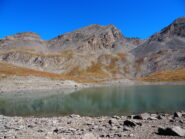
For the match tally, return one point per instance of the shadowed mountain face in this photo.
(98, 52)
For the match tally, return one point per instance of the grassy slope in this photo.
(7, 70)
(167, 75)
(11, 70)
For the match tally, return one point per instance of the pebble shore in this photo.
(143, 126)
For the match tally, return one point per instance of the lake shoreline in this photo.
(17, 84)
(143, 126)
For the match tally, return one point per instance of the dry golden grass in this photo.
(138, 63)
(74, 71)
(104, 56)
(167, 75)
(96, 70)
(113, 66)
(126, 68)
(93, 71)
(7, 70)
(122, 54)
(11, 70)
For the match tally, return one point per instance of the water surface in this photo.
(123, 100)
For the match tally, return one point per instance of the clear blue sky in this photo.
(49, 18)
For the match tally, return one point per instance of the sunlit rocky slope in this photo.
(97, 53)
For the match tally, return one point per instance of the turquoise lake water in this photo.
(120, 100)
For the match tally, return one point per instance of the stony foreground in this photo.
(144, 126)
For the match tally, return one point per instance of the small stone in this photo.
(152, 118)
(183, 114)
(72, 129)
(95, 127)
(153, 115)
(114, 128)
(140, 124)
(108, 136)
(113, 122)
(130, 116)
(160, 117)
(69, 122)
(172, 131)
(55, 130)
(181, 121)
(82, 129)
(30, 126)
(74, 116)
(129, 123)
(126, 129)
(49, 133)
(55, 121)
(88, 136)
(102, 136)
(172, 121)
(40, 130)
(137, 117)
(131, 135)
(116, 117)
(88, 124)
(118, 135)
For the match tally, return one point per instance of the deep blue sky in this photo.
(49, 18)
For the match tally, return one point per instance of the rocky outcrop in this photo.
(92, 39)
(27, 41)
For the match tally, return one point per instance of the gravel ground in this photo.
(142, 126)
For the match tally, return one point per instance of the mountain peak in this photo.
(179, 20)
(92, 37)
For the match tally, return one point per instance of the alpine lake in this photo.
(100, 101)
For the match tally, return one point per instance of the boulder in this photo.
(172, 131)
(129, 123)
(143, 116)
(177, 115)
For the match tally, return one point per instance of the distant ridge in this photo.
(99, 52)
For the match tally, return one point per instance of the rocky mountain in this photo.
(98, 52)
(93, 38)
(163, 50)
